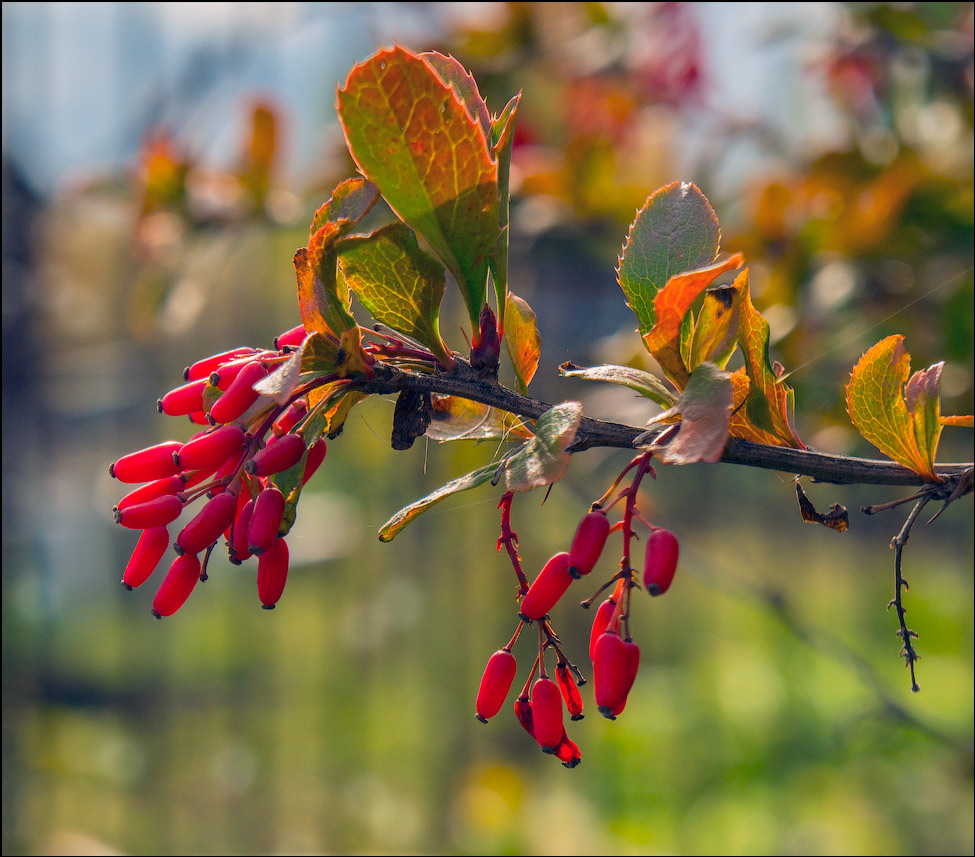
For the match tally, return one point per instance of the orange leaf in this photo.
(522, 339)
(671, 305)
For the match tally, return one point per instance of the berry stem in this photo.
(509, 539)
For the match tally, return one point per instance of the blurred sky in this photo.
(81, 82)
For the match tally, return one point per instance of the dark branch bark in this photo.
(839, 469)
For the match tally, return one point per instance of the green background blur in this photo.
(771, 713)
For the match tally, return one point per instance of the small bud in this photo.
(486, 345)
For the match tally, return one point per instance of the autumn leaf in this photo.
(671, 305)
(455, 418)
(348, 204)
(399, 284)
(705, 408)
(543, 459)
(452, 72)
(714, 335)
(675, 231)
(769, 408)
(522, 339)
(901, 417)
(410, 132)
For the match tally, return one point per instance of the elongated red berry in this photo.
(600, 624)
(199, 418)
(614, 670)
(148, 551)
(292, 338)
(290, 417)
(550, 585)
(272, 573)
(588, 542)
(208, 524)
(570, 693)
(523, 711)
(316, 455)
(547, 714)
(660, 562)
(239, 550)
(495, 684)
(183, 400)
(265, 520)
(280, 454)
(240, 394)
(153, 513)
(176, 587)
(632, 651)
(568, 751)
(152, 490)
(203, 368)
(144, 465)
(210, 450)
(223, 376)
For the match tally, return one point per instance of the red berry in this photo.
(238, 541)
(183, 400)
(588, 543)
(154, 462)
(153, 513)
(614, 670)
(210, 450)
(523, 711)
(148, 551)
(547, 714)
(199, 418)
(272, 573)
(316, 455)
(550, 585)
(292, 338)
(600, 624)
(660, 563)
(290, 417)
(203, 368)
(280, 454)
(208, 524)
(632, 666)
(265, 520)
(570, 692)
(568, 751)
(240, 394)
(152, 490)
(225, 375)
(495, 684)
(176, 586)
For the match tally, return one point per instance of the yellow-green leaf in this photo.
(522, 339)
(502, 137)
(903, 422)
(397, 282)
(410, 133)
(645, 383)
(543, 459)
(716, 328)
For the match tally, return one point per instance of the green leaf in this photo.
(349, 203)
(502, 137)
(904, 424)
(522, 339)
(410, 133)
(543, 459)
(771, 402)
(454, 418)
(675, 231)
(705, 410)
(645, 383)
(671, 307)
(408, 514)
(716, 329)
(397, 282)
(453, 73)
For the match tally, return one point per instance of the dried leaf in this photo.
(522, 339)
(543, 459)
(454, 418)
(411, 416)
(837, 518)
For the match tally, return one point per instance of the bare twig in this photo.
(900, 584)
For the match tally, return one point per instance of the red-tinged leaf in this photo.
(397, 282)
(715, 332)
(965, 422)
(771, 402)
(705, 409)
(502, 138)
(741, 426)
(453, 73)
(319, 353)
(903, 423)
(349, 203)
(675, 231)
(409, 132)
(408, 514)
(522, 339)
(644, 383)
(543, 459)
(454, 418)
(671, 304)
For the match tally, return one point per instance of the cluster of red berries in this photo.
(249, 438)
(615, 657)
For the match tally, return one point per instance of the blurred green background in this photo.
(150, 213)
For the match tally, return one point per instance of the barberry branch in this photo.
(823, 467)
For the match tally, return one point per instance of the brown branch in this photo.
(839, 469)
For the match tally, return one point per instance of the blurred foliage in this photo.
(771, 715)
